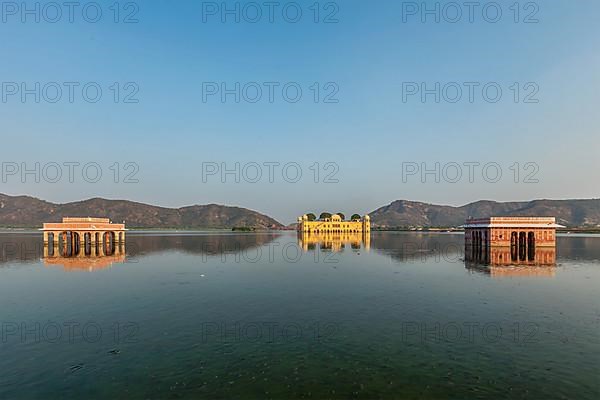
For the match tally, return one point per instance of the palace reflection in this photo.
(511, 261)
(334, 242)
(20, 248)
(27, 247)
(511, 246)
(72, 255)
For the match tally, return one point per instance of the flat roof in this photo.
(512, 222)
(473, 226)
(85, 219)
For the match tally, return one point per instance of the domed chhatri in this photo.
(334, 224)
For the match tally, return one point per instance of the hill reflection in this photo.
(412, 246)
(210, 244)
(27, 248)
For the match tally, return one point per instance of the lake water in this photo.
(223, 315)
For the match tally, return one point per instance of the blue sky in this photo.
(371, 134)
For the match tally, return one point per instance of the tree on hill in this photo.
(355, 217)
(311, 216)
(325, 215)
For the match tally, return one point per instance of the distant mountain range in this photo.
(29, 212)
(402, 213)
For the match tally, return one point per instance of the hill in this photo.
(29, 212)
(403, 213)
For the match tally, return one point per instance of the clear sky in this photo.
(368, 127)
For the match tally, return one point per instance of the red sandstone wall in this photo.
(502, 236)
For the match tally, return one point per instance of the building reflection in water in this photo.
(335, 242)
(73, 255)
(511, 261)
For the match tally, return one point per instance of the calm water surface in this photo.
(222, 315)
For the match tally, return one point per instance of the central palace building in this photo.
(335, 224)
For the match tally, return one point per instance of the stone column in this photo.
(101, 245)
(76, 240)
(81, 253)
(121, 244)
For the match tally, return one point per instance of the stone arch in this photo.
(522, 246)
(64, 244)
(87, 243)
(531, 239)
(50, 238)
(531, 246)
(109, 243)
(76, 243)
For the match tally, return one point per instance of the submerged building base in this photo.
(511, 240)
